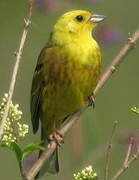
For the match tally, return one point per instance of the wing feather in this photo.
(35, 99)
(38, 84)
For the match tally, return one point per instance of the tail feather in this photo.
(51, 166)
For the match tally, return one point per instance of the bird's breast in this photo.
(69, 80)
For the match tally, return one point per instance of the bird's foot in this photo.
(91, 100)
(57, 137)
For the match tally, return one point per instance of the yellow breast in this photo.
(71, 74)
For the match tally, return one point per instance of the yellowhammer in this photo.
(67, 72)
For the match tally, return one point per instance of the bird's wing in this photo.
(36, 90)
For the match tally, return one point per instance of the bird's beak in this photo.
(96, 18)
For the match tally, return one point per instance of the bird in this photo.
(67, 72)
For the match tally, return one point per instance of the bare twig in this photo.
(127, 161)
(16, 67)
(128, 152)
(134, 157)
(109, 148)
(117, 60)
(14, 76)
(107, 74)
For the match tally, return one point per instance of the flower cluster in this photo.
(86, 174)
(13, 129)
(135, 109)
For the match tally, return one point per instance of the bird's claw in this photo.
(57, 137)
(91, 100)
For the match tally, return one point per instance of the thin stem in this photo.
(14, 76)
(22, 172)
(109, 148)
(16, 67)
(128, 151)
(134, 157)
(21, 167)
(125, 167)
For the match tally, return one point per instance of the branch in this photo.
(118, 60)
(72, 119)
(16, 67)
(14, 76)
(127, 161)
(109, 148)
(51, 147)
(22, 171)
(128, 152)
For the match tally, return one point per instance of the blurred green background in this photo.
(86, 142)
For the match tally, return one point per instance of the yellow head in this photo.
(77, 24)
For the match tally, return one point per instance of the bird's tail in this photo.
(51, 166)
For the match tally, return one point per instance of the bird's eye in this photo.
(79, 18)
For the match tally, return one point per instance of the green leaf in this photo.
(34, 146)
(30, 148)
(135, 110)
(26, 154)
(18, 151)
(5, 145)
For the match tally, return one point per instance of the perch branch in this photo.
(109, 148)
(72, 119)
(117, 60)
(51, 147)
(16, 67)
